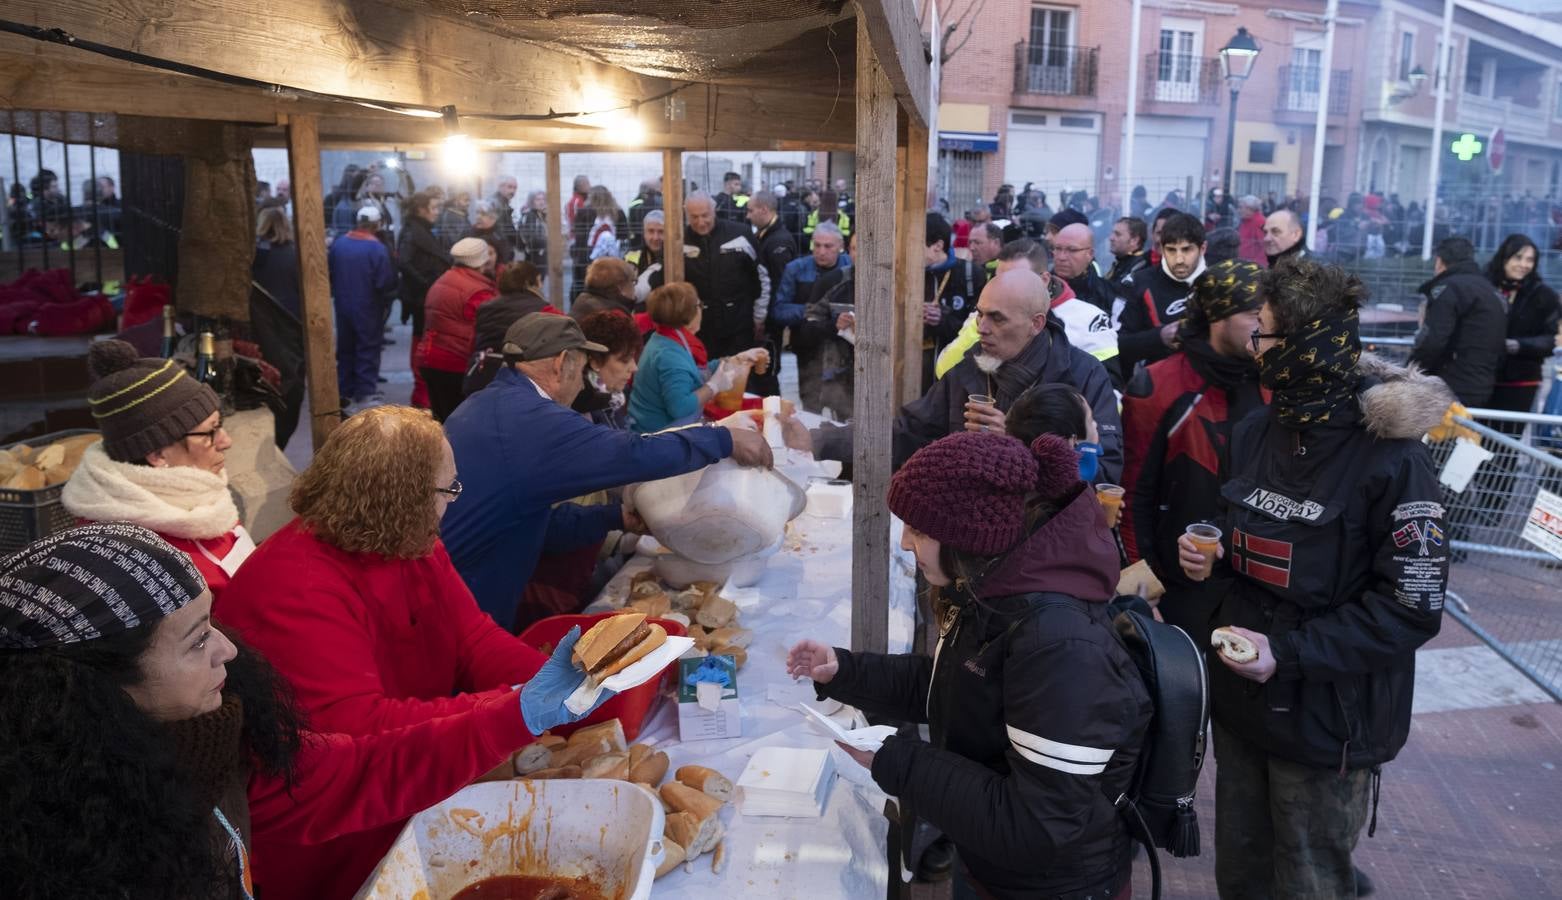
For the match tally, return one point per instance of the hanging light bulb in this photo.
(460, 154)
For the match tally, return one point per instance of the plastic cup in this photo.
(981, 400)
(1110, 496)
(1206, 539)
(731, 399)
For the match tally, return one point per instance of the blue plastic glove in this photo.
(542, 698)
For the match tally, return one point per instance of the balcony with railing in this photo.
(1056, 70)
(1301, 85)
(1182, 78)
(1485, 114)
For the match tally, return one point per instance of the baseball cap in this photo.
(541, 335)
(370, 212)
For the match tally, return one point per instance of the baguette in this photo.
(551, 741)
(708, 781)
(651, 770)
(608, 765)
(638, 753)
(1233, 646)
(686, 799)
(731, 636)
(675, 856)
(683, 828)
(612, 730)
(654, 605)
(556, 772)
(532, 758)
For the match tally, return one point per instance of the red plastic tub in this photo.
(632, 706)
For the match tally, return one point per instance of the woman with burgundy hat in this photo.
(1036, 713)
(161, 463)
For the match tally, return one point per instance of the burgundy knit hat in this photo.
(968, 490)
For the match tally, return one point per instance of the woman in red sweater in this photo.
(161, 463)
(450, 322)
(154, 753)
(356, 603)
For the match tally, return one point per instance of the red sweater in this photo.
(369, 644)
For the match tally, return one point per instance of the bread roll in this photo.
(716, 612)
(731, 636)
(687, 799)
(608, 765)
(738, 654)
(551, 741)
(532, 758)
(612, 730)
(559, 772)
(694, 835)
(706, 780)
(1233, 646)
(674, 858)
(576, 753)
(651, 770)
(638, 752)
(718, 859)
(28, 478)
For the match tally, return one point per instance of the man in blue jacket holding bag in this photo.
(520, 450)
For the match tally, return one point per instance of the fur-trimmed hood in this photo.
(1400, 401)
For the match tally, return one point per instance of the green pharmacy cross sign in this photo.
(1466, 147)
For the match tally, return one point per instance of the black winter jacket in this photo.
(1462, 334)
(422, 257)
(494, 318)
(724, 268)
(1095, 290)
(1151, 299)
(1048, 358)
(954, 285)
(1036, 714)
(1340, 555)
(777, 247)
(1533, 316)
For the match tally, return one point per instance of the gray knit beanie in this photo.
(142, 404)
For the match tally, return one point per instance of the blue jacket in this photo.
(665, 383)
(791, 302)
(362, 274)
(517, 454)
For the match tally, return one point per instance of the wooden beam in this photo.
(672, 206)
(911, 194)
(873, 408)
(303, 157)
(556, 229)
(896, 39)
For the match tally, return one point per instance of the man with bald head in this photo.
(721, 261)
(1073, 258)
(1283, 236)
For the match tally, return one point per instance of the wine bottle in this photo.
(206, 359)
(170, 337)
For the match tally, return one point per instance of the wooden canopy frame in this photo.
(868, 93)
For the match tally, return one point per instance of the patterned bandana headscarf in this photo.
(1223, 290)
(1313, 372)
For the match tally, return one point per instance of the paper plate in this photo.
(642, 671)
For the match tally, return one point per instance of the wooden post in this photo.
(672, 206)
(911, 191)
(556, 231)
(303, 158)
(873, 407)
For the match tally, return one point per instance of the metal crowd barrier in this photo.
(1505, 534)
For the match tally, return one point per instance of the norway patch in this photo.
(1262, 559)
(1426, 533)
(1282, 507)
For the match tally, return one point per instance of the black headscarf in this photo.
(1312, 373)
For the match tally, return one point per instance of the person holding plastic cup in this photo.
(1332, 565)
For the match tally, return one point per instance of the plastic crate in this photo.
(632, 706)
(26, 516)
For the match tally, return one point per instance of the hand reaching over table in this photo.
(813, 660)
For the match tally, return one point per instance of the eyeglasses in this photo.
(454, 490)
(1259, 336)
(210, 435)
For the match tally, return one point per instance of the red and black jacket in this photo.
(1151, 299)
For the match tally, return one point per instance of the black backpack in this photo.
(1159, 804)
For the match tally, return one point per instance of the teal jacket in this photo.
(663, 394)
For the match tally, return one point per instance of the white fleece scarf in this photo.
(179, 501)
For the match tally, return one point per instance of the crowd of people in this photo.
(275, 713)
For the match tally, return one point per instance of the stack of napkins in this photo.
(786, 781)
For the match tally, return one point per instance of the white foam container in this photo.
(610, 831)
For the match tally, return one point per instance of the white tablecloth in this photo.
(804, 592)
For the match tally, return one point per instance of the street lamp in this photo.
(1236, 63)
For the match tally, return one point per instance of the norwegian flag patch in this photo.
(1262, 559)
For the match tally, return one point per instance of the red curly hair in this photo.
(370, 487)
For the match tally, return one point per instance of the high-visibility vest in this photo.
(842, 221)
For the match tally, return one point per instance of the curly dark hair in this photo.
(615, 331)
(96, 804)
(1298, 291)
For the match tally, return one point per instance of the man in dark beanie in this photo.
(1333, 564)
(1031, 703)
(1177, 419)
